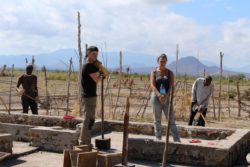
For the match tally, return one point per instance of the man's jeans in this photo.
(89, 107)
(158, 107)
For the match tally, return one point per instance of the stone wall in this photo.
(229, 151)
(20, 132)
(184, 131)
(39, 120)
(6, 140)
(54, 139)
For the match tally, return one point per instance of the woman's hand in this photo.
(162, 98)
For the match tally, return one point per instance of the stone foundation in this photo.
(6, 144)
(223, 151)
(227, 147)
(54, 139)
(19, 132)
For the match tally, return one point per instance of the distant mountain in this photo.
(193, 67)
(60, 58)
(137, 62)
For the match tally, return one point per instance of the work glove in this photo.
(20, 92)
(98, 64)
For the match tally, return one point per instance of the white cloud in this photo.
(144, 25)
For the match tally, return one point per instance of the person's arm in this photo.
(152, 84)
(19, 81)
(194, 89)
(36, 89)
(95, 77)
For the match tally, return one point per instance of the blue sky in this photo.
(144, 26)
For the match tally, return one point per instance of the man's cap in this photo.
(92, 49)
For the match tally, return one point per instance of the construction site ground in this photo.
(27, 156)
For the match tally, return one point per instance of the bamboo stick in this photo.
(119, 88)
(170, 108)
(239, 99)
(125, 135)
(219, 111)
(10, 90)
(228, 96)
(68, 85)
(177, 59)
(80, 62)
(46, 90)
(213, 105)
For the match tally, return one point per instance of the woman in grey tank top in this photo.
(161, 80)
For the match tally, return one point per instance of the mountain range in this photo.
(137, 62)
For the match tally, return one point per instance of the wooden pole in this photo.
(80, 62)
(204, 73)
(170, 108)
(120, 80)
(46, 90)
(102, 108)
(177, 59)
(68, 85)
(239, 99)
(198, 53)
(228, 96)
(33, 61)
(10, 90)
(213, 105)
(125, 135)
(219, 112)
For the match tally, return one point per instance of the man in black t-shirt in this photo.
(30, 94)
(89, 81)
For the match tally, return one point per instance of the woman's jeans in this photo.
(158, 107)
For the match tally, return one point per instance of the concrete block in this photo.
(109, 159)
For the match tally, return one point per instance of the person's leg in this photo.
(201, 121)
(173, 126)
(192, 115)
(89, 120)
(33, 106)
(157, 112)
(25, 104)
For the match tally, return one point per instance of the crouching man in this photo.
(201, 91)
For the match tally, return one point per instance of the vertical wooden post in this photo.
(204, 72)
(33, 61)
(177, 59)
(219, 112)
(170, 110)
(80, 62)
(119, 82)
(125, 135)
(102, 108)
(68, 85)
(46, 90)
(228, 96)
(10, 90)
(198, 53)
(239, 99)
(3, 70)
(213, 105)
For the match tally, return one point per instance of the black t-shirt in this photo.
(29, 84)
(88, 84)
